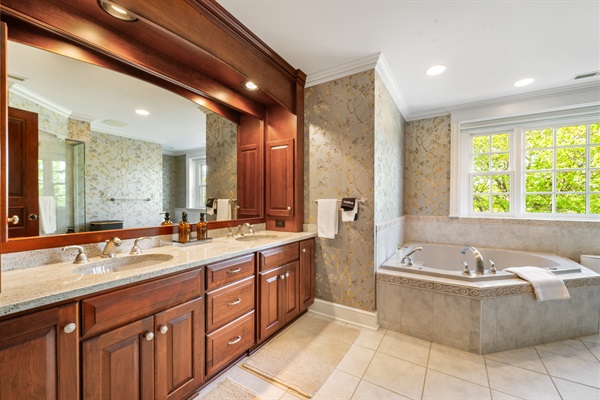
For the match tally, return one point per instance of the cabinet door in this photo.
(307, 273)
(119, 364)
(38, 358)
(271, 318)
(280, 178)
(290, 291)
(179, 353)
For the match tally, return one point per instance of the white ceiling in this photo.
(96, 94)
(486, 45)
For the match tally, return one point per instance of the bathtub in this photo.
(446, 261)
(433, 300)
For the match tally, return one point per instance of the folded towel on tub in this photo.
(546, 285)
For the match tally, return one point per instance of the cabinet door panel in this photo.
(291, 298)
(270, 303)
(280, 178)
(307, 273)
(119, 364)
(38, 359)
(179, 350)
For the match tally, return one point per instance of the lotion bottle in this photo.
(184, 229)
(202, 228)
(167, 220)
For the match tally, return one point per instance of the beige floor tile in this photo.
(594, 348)
(369, 338)
(445, 387)
(571, 368)
(356, 361)
(459, 364)
(339, 386)
(289, 395)
(396, 375)
(232, 373)
(496, 395)
(264, 389)
(574, 391)
(520, 382)
(405, 347)
(569, 348)
(525, 357)
(591, 338)
(368, 391)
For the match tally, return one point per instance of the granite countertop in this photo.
(28, 288)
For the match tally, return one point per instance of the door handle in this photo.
(32, 217)
(14, 219)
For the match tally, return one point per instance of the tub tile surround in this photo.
(47, 283)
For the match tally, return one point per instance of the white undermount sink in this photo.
(119, 264)
(256, 237)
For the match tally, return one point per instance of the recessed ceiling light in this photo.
(249, 85)
(435, 70)
(142, 112)
(524, 82)
(116, 11)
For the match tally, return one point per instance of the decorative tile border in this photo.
(388, 224)
(474, 292)
(502, 221)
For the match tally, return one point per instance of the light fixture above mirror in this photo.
(117, 11)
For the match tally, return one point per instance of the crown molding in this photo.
(383, 69)
(342, 70)
(126, 135)
(42, 101)
(82, 117)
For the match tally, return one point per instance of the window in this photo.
(539, 168)
(197, 182)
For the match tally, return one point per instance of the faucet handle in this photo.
(229, 232)
(492, 267)
(466, 270)
(81, 257)
(136, 249)
(116, 241)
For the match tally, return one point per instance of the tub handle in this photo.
(466, 270)
(492, 267)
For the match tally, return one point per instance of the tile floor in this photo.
(388, 365)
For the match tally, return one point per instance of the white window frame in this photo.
(194, 167)
(461, 165)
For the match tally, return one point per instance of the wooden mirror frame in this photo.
(193, 48)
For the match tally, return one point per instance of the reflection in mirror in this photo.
(116, 168)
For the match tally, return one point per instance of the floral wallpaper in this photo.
(221, 157)
(389, 157)
(123, 168)
(339, 159)
(174, 183)
(427, 167)
(48, 120)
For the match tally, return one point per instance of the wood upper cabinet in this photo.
(39, 355)
(280, 177)
(307, 273)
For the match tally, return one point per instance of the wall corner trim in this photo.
(340, 312)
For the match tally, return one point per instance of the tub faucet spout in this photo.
(478, 259)
(410, 253)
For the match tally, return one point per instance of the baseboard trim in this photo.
(340, 312)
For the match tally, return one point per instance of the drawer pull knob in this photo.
(234, 271)
(69, 328)
(149, 336)
(287, 274)
(163, 329)
(234, 341)
(233, 303)
(282, 276)
(289, 208)
(304, 250)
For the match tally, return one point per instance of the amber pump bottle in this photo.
(202, 228)
(184, 229)
(167, 220)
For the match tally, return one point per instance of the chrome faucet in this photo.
(478, 259)
(81, 257)
(110, 248)
(240, 228)
(136, 249)
(410, 253)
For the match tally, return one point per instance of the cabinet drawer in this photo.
(228, 303)
(116, 308)
(229, 342)
(276, 257)
(228, 271)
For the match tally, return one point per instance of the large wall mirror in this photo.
(105, 150)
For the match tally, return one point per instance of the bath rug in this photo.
(230, 390)
(304, 355)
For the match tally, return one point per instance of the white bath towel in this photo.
(327, 220)
(47, 214)
(223, 210)
(546, 285)
(348, 216)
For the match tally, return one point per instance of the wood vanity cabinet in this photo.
(230, 311)
(39, 355)
(307, 273)
(150, 341)
(280, 178)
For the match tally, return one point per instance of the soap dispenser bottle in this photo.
(202, 228)
(167, 220)
(184, 229)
